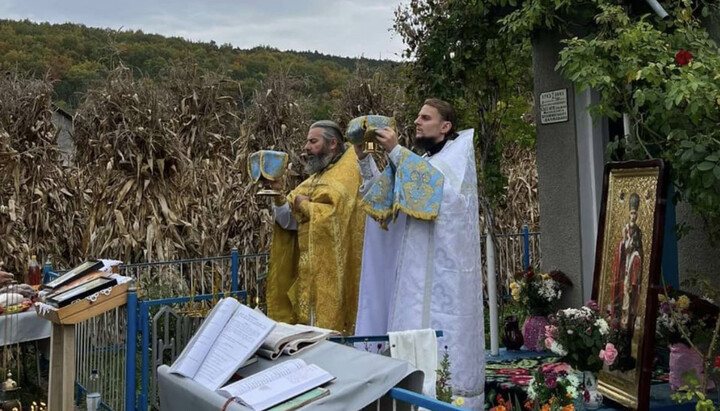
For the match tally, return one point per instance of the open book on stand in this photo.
(226, 340)
(290, 339)
(278, 384)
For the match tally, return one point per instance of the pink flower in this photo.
(609, 354)
(548, 342)
(550, 331)
(555, 368)
(551, 381)
(591, 304)
(562, 368)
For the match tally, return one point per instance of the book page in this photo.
(238, 341)
(194, 353)
(281, 334)
(284, 388)
(308, 339)
(238, 388)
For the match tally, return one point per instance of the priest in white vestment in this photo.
(421, 258)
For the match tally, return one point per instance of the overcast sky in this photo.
(338, 27)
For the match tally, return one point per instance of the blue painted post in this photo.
(234, 265)
(145, 353)
(131, 349)
(526, 247)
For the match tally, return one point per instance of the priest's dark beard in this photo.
(318, 162)
(424, 143)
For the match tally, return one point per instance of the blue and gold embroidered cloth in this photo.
(413, 186)
(363, 128)
(267, 164)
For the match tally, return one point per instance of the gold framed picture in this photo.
(627, 274)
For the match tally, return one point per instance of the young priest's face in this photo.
(430, 126)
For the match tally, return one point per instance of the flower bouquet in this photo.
(686, 323)
(553, 387)
(580, 337)
(538, 294)
(684, 318)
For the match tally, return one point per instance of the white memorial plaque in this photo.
(553, 107)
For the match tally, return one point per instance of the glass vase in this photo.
(533, 332)
(512, 337)
(592, 398)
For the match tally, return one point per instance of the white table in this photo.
(23, 327)
(361, 379)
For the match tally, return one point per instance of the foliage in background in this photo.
(458, 55)
(663, 73)
(666, 75)
(76, 57)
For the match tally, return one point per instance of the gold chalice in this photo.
(265, 166)
(362, 130)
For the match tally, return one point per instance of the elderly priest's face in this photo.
(319, 151)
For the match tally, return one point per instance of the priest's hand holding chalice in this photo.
(267, 168)
(361, 131)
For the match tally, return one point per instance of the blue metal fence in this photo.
(513, 253)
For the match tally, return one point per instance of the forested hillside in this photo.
(74, 56)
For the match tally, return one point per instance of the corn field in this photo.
(160, 169)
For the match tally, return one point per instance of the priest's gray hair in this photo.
(331, 131)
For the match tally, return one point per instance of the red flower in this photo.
(529, 274)
(717, 361)
(683, 57)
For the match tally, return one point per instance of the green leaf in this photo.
(705, 166)
(708, 180)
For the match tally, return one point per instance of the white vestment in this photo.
(427, 274)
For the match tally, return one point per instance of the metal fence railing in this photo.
(513, 253)
(117, 344)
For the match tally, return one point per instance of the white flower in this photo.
(573, 380)
(571, 312)
(602, 326)
(570, 332)
(558, 349)
(572, 390)
(531, 389)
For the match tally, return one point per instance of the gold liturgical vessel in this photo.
(267, 165)
(362, 130)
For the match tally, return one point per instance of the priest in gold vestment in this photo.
(317, 241)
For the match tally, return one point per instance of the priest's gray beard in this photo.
(318, 162)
